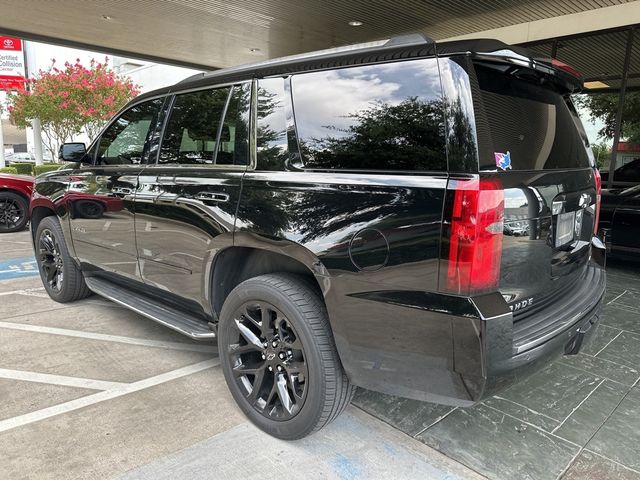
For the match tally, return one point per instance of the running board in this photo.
(173, 318)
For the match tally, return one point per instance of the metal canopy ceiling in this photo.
(599, 57)
(220, 33)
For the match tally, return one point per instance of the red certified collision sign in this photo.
(11, 64)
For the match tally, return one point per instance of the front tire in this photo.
(61, 276)
(279, 358)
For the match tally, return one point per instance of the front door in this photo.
(186, 204)
(100, 196)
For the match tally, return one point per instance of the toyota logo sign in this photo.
(8, 42)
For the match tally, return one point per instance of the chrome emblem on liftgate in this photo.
(521, 304)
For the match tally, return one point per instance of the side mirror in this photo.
(73, 152)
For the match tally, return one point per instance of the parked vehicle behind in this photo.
(15, 192)
(344, 218)
(620, 217)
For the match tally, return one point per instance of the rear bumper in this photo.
(458, 351)
(504, 366)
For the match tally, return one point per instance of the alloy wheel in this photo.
(51, 261)
(11, 213)
(268, 361)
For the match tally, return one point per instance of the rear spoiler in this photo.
(519, 62)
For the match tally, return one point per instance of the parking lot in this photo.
(92, 390)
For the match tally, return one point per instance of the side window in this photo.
(196, 135)
(271, 126)
(191, 132)
(125, 141)
(376, 117)
(234, 135)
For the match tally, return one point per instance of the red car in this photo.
(15, 192)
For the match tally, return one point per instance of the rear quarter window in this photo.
(375, 117)
(531, 127)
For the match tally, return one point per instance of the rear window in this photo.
(531, 127)
(375, 117)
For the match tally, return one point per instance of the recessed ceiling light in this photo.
(595, 84)
(355, 23)
(106, 17)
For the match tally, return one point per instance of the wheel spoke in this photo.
(241, 370)
(265, 319)
(51, 273)
(283, 393)
(258, 381)
(237, 349)
(248, 335)
(293, 345)
(294, 368)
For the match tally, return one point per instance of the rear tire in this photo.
(14, 212)
(279, 357)
(61, 276)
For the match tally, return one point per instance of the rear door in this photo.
(535, 148)
(186, 203)
(100, 197)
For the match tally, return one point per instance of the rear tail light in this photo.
(475, 236)
(567, 68)
(598, 179)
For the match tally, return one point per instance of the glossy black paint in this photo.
(620, 215)
(373, 241)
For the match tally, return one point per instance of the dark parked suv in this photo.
(411, 218)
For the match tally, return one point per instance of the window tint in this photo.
(195, 135)
(377, 117)
(534, 125)
(125, 140)
(272, 124)
(191, 132)
(234, 135)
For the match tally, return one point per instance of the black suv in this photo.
(409, 217)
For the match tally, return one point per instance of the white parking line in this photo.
(61, 380)
(23, 291)
(119, 391)
(109, 338)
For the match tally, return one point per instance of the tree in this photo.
(602, 153)
(604, 107)
(70, 100)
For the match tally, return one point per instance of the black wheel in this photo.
(60, 275)
(14, 210)
(279, 357)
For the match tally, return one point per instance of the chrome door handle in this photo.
(212, 197)
(164, 180)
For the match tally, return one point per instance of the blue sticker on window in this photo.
(503, 160)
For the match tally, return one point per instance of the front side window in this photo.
(196, 133)
(125, 140)
(375, 117)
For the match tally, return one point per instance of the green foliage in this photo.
(404, 136)
(47, 167)
(70, 100)
(11, 170)
(604, 107)
(602, 153)
(23, 168)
